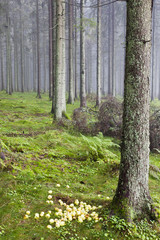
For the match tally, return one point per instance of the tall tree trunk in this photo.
(34, 55)
(98, 99)
(51, 20)
(103, 80)
(38, 54)
(82, 57)
(70, 24)
(8, 56)
(113, 55)
(63, 59)
(59, 60)
(75, 53)
(109, 51)
(15, 57)
(21, 49)
(53, 55)
(153, 54)
(132, 196)
(1, 54)
(90, 69)
(44, 54)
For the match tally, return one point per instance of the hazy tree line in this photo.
(83, 43)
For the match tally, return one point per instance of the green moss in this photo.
(40, 155)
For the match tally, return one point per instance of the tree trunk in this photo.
(75, 44)
(15, 57)
(153, 54)
(70, 24)
(82, 57)
(98, 100)
(90, 83)
(21, 49)
(50, 13)
(38, 54)
(44, 54)
(59, 60)
(109, 51)
(1, 53)
(132, 196)
(63, 58)
(53, 55)
(8, 56)
(113, 55)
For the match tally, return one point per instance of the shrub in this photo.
(110, 121)
(83, 119)
(110, 117)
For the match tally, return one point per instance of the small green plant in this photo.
(98, 147)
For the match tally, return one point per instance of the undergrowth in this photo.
(43, 164)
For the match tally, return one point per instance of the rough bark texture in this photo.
(60, 60)
(38, 55)
(50, 13)
(63, 58)
(75, 54)
(132, 193)
(71, 92)
(82, 57)
(98, 100)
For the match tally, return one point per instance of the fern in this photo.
(3, 146)
(98, 147)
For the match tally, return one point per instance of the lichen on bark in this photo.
(132, 196)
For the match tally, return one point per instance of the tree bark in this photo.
(82, 57)
(70, 24)
(132, 196)
(38, 54)
(75, 52)
(59, 51)
(2, 73)
(98, 100)
(50, 13)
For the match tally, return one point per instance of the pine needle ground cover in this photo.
(57, 183)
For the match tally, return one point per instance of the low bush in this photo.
(83, 119)
(110, 117)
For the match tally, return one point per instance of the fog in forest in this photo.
(24, 46)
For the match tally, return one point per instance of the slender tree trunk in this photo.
(59, 60)
(63, 59)
(103, 89)
(8, 57)
(90, 69)
(113, 55)
(70, 24)
(10, 71)
(53, 48)
(1, 53)
(15, 58)
(51, 25)
(22, 51)
(38, 54)
(75, 53)
(82, 57)
(132, 197)
(153, 54)
(98, 100)
(109, 50)
(34, 55)
(44, 54)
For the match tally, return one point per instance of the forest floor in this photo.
(46, 166)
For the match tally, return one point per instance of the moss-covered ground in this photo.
(40, 155)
